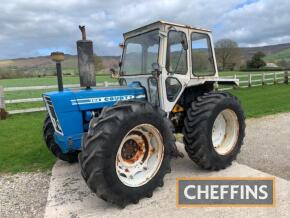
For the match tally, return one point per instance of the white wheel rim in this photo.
(139, 156)
(225, 132)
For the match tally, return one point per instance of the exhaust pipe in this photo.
(86, 61)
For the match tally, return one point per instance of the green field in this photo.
(35, 81)
(22, 148)
(20, 106)
(48, 80)
(25, 94)
(261, 101)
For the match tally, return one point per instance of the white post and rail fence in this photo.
(250, 80)
(259, 79)
(4, 103)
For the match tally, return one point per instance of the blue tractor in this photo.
(123, 136)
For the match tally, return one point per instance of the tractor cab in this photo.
(166, 59)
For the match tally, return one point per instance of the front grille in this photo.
(52, 114)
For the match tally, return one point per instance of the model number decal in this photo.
(104, 99)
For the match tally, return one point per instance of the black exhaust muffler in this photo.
(86, 61)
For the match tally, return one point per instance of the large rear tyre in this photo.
(214, 129)
(127, 152)
(48, 132)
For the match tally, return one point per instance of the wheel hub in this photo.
(140, 155)
(225, 132)
(129, 149)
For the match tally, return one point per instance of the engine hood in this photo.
(90, 99)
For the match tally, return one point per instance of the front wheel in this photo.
(214, 129)
(48, 136)
(127, 152)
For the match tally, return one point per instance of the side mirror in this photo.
(156, 67)
(122, 45)
(114, 73)
(156, 70)
(184, 42)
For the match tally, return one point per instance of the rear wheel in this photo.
(214, 130)
(225, 132)
(48, 132)
(127, 152)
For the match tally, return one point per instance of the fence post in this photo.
(250, 80)
(275, 78)
(235, 77)
(286, 77)
(263, 79)
(3, 113)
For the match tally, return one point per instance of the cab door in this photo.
(176, 73)
(203, 56)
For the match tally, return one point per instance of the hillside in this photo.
(282, 55)
(39, 66)
(270, 50)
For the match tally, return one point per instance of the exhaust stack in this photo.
(86, 60)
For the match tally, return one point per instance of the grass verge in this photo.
(261, 101)
(49, 80)
(21, 144)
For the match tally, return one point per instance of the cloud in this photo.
(36, 27)
(259, 23)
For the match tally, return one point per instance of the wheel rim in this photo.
(225, 132)
(140, 155)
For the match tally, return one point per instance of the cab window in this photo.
(201, 54)
(140, 53)
(176, 56)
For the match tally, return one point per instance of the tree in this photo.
(98, 63)
(228, 54)
(257, 61)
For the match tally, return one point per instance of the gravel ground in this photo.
(267, 145)
(23, 194)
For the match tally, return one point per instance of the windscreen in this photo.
(140, 53)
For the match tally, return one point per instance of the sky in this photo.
(38, 27)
